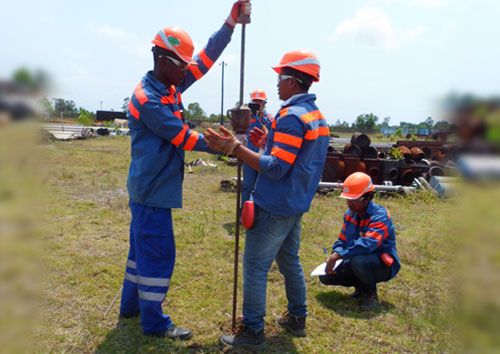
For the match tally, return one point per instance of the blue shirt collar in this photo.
(298, 98)
(157, 85)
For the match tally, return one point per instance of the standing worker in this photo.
(262, 120)
(366, 244)
(289, 173)
(159, 137)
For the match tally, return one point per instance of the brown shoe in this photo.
(296, 325)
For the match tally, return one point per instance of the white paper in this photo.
(320, 270)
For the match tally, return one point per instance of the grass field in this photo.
(85, 220)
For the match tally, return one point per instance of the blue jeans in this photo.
(272, 237)
(249, 178)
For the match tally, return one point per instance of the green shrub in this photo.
(85, 117)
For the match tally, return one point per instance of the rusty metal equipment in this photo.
(361, 140)
(240, 118)
(420, 158)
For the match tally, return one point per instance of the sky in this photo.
(393, 58)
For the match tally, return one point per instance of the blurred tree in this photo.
(37, 81)
(442, 125)
(340, 126)
(214, 117)
(366, 123)
(126, 101)
(429, 122)
(385, 123)
(23, 76)
(46, 105)
(85, 117)
(195, 111)
(66, 107)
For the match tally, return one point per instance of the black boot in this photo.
(357, 294)
(244, 338)
(129, 315)
(369, 301)
(294, 324)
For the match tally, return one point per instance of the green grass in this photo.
(85, 227)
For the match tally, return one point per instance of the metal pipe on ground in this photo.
(378, 187)
(361, 140)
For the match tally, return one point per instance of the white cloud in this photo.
(416, 3)
(120, 37)
(374, 27)
(111, 33)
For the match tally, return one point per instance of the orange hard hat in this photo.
(258, 94)
(177, 41)
(356, 185)
(301, 60)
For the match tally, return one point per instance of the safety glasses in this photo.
(286, 77)
(174, 61)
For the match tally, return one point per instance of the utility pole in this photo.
(222, 94)
(101, 104)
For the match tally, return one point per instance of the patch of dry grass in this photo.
(85, 227)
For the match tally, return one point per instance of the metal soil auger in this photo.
(240, 120)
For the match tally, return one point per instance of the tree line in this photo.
(371, 123)
(366, 123)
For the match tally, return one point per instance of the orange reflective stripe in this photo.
(315, 133)
(133, 111)
(288, 139)
(311, 116)
(178, 114)
(273, 124)
(195, 71)
(283, 155)
(283, 112)
(179, 138)
(342, 237)
(375, 235)
(140, 94)
(192, 140)
(364, 222)
(380, 225)
(179, 98)
(351, 220)
(168, 99)
(205, 59)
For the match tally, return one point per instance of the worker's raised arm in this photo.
(215, 46)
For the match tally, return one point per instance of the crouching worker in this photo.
(366, 244)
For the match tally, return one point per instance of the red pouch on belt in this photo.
(248, 214)
(387, 259)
